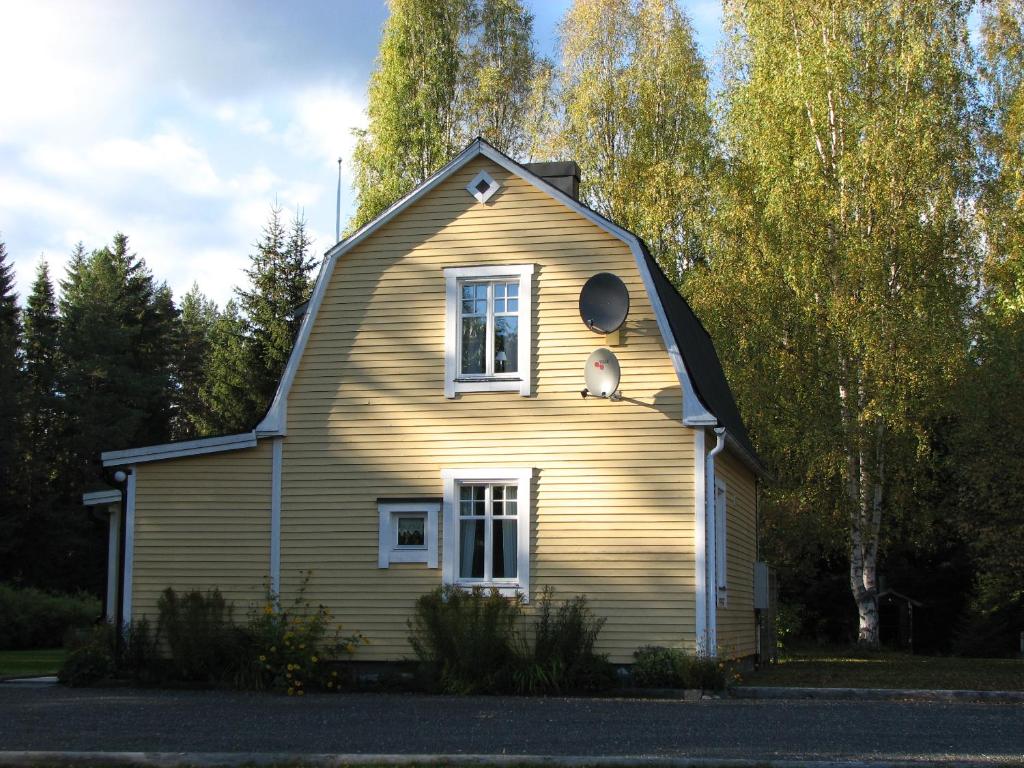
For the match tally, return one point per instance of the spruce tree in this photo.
(229, 404)
(52, 522)
(279, 284)
(11, 503)
(195, 328)
(117, 349)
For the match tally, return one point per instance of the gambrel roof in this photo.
(707, 399)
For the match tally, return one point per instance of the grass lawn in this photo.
(30, 663)
(886, 669)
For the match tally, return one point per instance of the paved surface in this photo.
(55, 718)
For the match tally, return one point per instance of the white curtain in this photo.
(510, 550)
(468, 533)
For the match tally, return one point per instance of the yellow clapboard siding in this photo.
(368, 419)
(203, 522)
(736, 622)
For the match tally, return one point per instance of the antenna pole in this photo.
(337, 211)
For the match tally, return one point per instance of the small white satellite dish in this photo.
(602, 374)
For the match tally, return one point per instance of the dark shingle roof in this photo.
(702, 363)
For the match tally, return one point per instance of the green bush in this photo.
(563, 658)
(658, 667)
(91, 659)
(205, 644)
(31, 618)
(467, 641)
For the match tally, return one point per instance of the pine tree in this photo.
(636, 118)
(279, 284)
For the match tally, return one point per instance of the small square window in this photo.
(408, 532)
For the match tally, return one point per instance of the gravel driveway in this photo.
(56, 718)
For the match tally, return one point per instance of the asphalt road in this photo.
(56, 718)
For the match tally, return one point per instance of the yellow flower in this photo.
(314, 659)
(273, 648)
(302, 693)
(263, 658)
(334, 674)
(291, 691)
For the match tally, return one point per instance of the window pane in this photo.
(471, 549)
(513, 289)
(512, 306)
(472, 500)
(506, 344)
(499, 290)
(505, 549)
(474, 344)
(411, 532)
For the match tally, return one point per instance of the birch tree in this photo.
(634, 93)
(845, 259)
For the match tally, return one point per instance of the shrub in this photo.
(290, 648)
(205, 645)
(92, 660)
(563, 658)
(658, 667)
(31, 618)
(466, 641)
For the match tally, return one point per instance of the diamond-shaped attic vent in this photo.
(482, 186)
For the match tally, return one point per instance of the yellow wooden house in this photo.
(429, 428)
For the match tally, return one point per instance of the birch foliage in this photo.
(842, 277)
(634, 94)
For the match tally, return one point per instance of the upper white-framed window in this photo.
(721, 527)
(407, 531)
(482, 187)
(487, 528)
(488, 329)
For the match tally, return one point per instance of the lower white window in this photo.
(407, 531)
(487, 528)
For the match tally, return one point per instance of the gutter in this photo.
(711, 546)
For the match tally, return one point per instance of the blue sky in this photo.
(180, 123)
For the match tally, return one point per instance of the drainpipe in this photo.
(711, 545)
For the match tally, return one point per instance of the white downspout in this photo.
(711, 546)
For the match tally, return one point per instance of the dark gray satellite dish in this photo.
(604, 303)
(602, 375)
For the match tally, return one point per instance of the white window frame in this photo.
(520, 381)
(721, 545)
(518, 476)
(388, 549)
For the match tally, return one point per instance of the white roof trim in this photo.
(101, 498)
(275, 422)
(176, 450)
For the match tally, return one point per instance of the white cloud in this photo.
(324, 117)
